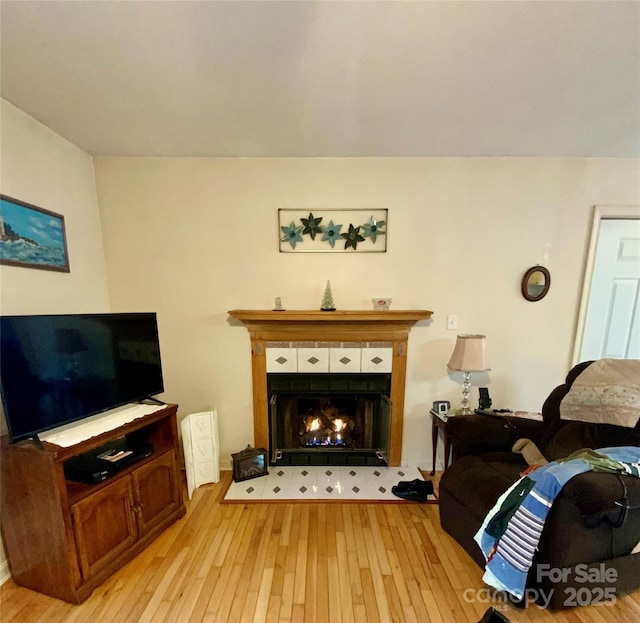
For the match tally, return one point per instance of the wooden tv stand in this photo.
(64, 538)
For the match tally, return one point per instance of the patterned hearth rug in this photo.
(325, 484)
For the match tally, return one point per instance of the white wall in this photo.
(41, 168)
(194, 238)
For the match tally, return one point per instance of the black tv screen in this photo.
(57, 369)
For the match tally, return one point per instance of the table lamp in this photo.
(468, 356)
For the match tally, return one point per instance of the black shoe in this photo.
(417, 484)
(416, 494)
(405, 485)
(493, 616)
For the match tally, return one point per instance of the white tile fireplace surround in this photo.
(339, 341)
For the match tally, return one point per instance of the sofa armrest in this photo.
(478, 434)
(596, 517)
(596, 493)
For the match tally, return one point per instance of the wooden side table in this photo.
(438, 422)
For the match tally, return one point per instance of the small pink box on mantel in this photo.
(381, 304)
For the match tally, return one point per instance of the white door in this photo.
(612, 321)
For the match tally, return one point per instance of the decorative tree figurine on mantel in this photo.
(327, 300)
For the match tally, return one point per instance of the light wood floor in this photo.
(295, 562)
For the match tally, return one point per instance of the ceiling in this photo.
(313, 79)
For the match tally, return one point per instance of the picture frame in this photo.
(361, 230)
(32, 237)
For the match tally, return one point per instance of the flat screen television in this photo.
(57, 369)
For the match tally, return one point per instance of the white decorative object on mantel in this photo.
(381, 304)
(201, 449)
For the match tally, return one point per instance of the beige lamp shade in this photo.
(468, 354)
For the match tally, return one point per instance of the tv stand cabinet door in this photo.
(155, 486)
(105, 526)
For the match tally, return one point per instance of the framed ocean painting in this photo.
(32, 237)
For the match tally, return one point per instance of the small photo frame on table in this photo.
(32, 237)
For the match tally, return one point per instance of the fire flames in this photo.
(326, 425)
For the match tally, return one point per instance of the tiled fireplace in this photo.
(328, 387)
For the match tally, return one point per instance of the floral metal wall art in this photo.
(309, 231)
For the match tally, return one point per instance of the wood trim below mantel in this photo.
(336, 326)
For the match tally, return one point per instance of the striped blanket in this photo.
(511, 531)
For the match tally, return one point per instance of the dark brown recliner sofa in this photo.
(594, 520)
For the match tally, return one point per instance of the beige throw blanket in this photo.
(607, 392)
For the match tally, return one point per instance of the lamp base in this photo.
(465, 409)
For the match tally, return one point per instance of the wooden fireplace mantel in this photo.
(337, 326)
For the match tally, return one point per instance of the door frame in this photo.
(600, 213)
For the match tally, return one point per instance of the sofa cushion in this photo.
(577, 435)
(551, 406)
(478, 481)
(606, 392)
(479, 434)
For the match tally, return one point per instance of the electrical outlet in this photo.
(452, 322)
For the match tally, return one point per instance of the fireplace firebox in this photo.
(329, 419)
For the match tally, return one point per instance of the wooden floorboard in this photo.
(296, 563)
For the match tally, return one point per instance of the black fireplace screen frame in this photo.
(359, 403)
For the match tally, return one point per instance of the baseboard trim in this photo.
(5, 574)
